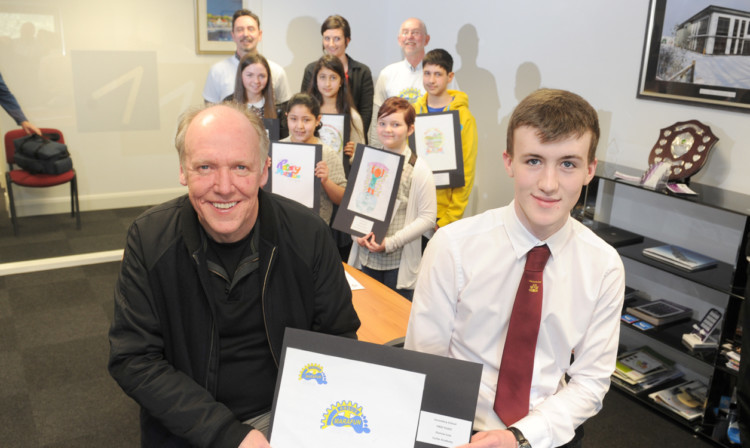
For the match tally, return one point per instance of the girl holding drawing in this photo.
(303, 120)
(395, 260)
(329, 87)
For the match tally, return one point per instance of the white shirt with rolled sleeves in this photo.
(463, 300)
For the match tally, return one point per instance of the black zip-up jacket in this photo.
(163, 343)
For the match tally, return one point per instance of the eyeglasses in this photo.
(415, 33)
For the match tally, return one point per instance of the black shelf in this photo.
(718, 277)
(643, 398)
(707, 195)
(671, 335)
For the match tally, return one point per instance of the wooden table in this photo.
(384, 313)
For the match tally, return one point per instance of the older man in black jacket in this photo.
(209, 282)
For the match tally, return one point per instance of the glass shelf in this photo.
(707, 195)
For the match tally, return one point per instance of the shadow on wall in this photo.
(304, 50)
(528, 79)
(484, 103)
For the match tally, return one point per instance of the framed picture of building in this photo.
(697, 52)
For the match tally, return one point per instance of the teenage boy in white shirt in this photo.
(468, 280)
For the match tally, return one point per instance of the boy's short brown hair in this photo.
(556, 115)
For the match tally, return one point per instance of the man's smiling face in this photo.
(222, 171)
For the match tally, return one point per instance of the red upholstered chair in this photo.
(24, 178)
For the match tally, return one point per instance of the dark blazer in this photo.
(360, 85)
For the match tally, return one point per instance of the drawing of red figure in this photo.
(368, 199)
(378, 171)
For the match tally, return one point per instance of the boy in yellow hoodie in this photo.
(437, 74)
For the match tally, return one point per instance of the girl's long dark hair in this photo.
(240, 95)
(344, 101)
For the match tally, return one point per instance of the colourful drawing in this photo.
(332, 137)
(284, 168)
(313, 372)
(368, 199)
(345, 413)
(433, 141)
(411, 94)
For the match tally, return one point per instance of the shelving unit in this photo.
(715, 222)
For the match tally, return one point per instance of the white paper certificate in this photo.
(332, 402)
(442, 430)
(293, 171)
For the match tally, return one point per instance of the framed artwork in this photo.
(696, 53)
(213, 28)
(437, 140)
(338, 392)
(370, 195)
(334, 132)
(292, 172)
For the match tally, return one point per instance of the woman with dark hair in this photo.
(303, 120)
(336, 37)
(395, 260)
(330, 89)
(253, 86)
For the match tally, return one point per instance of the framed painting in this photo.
(696, 53)
(437, 140)
(370, 195)
(292, 173)
(213, 28)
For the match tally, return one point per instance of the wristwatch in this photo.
(522, 442)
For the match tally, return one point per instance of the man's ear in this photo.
(264, 172)
(183, 177)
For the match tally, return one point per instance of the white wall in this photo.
(502, 51)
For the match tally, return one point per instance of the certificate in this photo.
(437, 139)
(292, 172)
(339, 392)
(370, 195)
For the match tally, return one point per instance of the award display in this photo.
(370, 195)
(339, 392)
(685, 145)
(292, 172)
(437, 139)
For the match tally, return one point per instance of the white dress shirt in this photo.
(398, 79)
(463, 300)
(221, 76)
